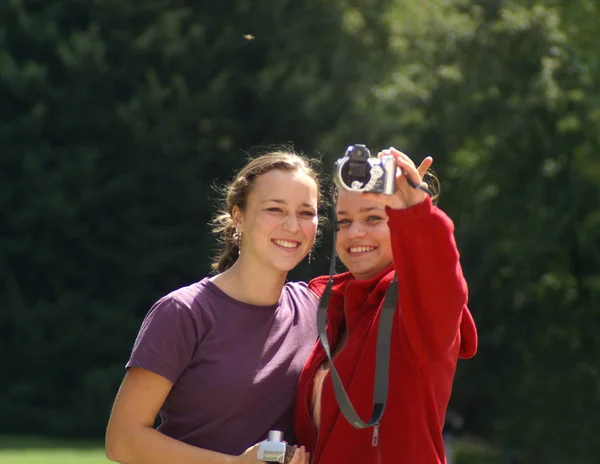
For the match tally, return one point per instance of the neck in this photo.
(374, 273)
(250, 284)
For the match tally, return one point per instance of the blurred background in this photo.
(117, 119)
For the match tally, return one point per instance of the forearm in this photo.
(144, 445)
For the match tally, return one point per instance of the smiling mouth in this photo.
(360, 249)
(288, 244)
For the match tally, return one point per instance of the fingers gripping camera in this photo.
(275, 449)
(358, 171)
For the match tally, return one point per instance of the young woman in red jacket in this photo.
(380, 235)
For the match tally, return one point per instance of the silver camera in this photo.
(358, 171)
(274, 449)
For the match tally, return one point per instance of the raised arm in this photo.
(433, 291)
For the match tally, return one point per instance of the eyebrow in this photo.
(363, 210)
(283, 202)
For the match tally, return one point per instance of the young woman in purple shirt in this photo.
(219, 360)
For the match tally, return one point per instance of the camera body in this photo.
(358, 171)
(275, 449)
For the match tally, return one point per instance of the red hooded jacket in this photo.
(431, 330)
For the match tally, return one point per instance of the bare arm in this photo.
(130, 438)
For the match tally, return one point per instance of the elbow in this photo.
(116, 449)
(113, 452)
(111, 455)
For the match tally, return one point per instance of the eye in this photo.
(274, 209)
(373, 218)
(343, 223)
(307, 214)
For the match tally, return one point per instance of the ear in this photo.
(238, 218)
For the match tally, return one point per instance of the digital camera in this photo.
(274, 449)
(358, 171)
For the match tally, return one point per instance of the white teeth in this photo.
(286, 244)
(361, 249)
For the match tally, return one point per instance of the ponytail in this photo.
(224, 228)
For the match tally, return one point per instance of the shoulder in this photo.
(168, 310)
(167, 321)
(318, 284)
(197, 296)
(301, 291)
(185, 295)
(188, 302)
(299, 304)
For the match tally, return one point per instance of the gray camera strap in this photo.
(382, 358)
(384, 333)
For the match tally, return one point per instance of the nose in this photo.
(356, 230)
(291, 224)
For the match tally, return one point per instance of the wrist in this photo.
(400, 205)
(420, 209)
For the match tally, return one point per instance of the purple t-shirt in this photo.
(234, 366)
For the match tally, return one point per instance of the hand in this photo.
(405, 195)
(301, 456)
(249, 456)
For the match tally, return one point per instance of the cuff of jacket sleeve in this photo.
(417, 211)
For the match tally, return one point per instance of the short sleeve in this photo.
(166, 341)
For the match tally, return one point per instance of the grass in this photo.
(34, 450)
(472, 452)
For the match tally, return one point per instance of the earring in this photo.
(237, 237)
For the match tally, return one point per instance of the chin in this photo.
(357, 265)
(361, 270)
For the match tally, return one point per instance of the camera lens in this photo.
(355, 171)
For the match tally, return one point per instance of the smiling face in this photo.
(363, 241)
(279, 223)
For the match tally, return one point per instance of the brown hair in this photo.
(433, 184)
(236, 194)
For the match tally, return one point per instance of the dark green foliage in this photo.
(116, 120)
(507, 113)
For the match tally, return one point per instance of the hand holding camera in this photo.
(391, 179)
(274, 449)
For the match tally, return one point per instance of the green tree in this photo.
(117, 119)
(496, 93)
